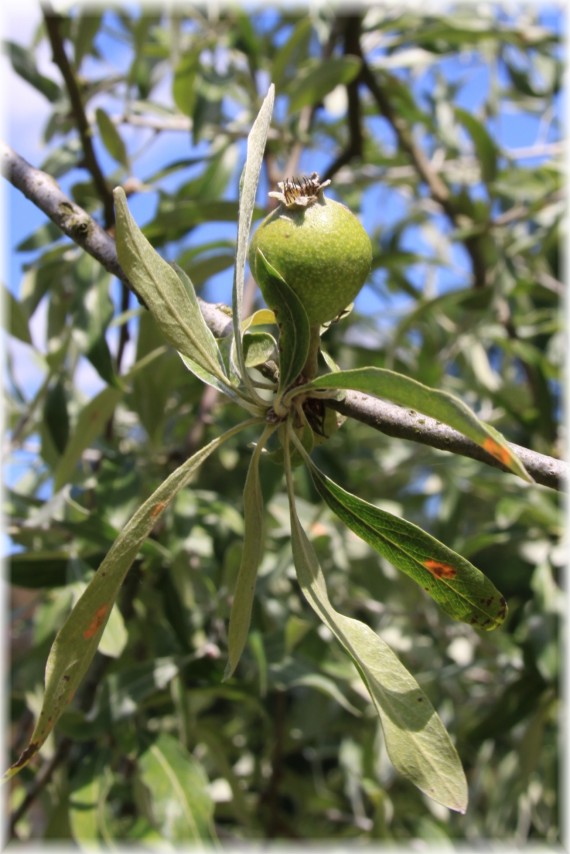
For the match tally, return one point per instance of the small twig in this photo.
(438, 189)
(43, 191)
(182, 124)
(354, 147)
(541, 149)
(52, 23)
(523, 211)
(303, 126)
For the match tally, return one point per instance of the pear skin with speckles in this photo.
(320, 249)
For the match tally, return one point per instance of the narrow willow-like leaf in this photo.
(248, 191)
(77, 640)
(485, 146)
(14, 318)
(417, 742)
(88, 788)
(294, 328)
(180, 806)
(294, 47)
(456, 585)
(314, 82)
(251, 556)
(170, 298)
(442, 405)
(203, 332)
(90, 424)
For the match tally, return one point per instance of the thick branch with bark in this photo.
(388, 418)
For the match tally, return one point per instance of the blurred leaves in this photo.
(24, 64)
(112, 139)
(176, 798)
(314, 80)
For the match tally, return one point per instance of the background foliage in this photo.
(416, 118)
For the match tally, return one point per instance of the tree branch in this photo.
(41, 189)
(388, 418)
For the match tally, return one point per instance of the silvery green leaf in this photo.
(252, 554)
(169, 297)
(248, 191)
(441, 405)
(294, 327)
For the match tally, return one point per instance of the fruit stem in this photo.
(311, 368)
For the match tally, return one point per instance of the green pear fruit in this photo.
(317, 245)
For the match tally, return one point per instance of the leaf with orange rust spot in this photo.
(76, 642)
(441, 405)
(416, 740)
(452, 581)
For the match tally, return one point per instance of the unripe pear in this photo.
(317, 245)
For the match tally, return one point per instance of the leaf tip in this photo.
(502, 453)
(456, 799)
(22, 761)
(119, 195)
(229, 671)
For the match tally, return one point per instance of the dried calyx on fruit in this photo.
(299, 192)
(316, 244)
